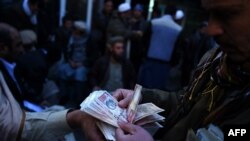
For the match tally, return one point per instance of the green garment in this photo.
(210, 98)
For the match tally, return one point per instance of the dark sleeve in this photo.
(146, 38)
(98, 71)
(131, 75)
(94, 75)
(115, 27)
(166, 100)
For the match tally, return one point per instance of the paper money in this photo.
(150, 119)
(146, 109)
(103, 106)
(134, 103)
(107, 130)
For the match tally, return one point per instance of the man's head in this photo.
(124, 10)
(116, 47)
(229, 24)
(79, 28)
(67, 22)
(10, 43)
(35, 5)
(29, 39)
(108, 7)
(138, 10)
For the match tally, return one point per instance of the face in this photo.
(108, 7)
(118, 50)
(126, 15)
(68, 24)
(229, 24)
(17, 47)
(34, 8)
(137, 13)
(11, 51)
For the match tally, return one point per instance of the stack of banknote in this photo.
(103, 106)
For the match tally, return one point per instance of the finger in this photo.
(119, 134)
(124, 102)
(127, 127)
(118, 94)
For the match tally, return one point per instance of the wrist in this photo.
(74, 118)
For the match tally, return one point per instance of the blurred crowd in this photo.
(122, 49)
(42, 65)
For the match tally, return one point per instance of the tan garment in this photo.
(45, 126)
(10, 113)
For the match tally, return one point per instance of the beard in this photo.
(118, 58)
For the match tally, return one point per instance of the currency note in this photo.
(134, 103)
(146, 109)
(150, 119)
(103, 106)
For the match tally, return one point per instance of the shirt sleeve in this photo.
(166, 100)
(45, 126)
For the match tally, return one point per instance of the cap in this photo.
(80, 25)
(138, 7)
(179, 14)
(28, 36)
(124, 7)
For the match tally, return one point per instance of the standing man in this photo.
(120, 25)
(22, 16)
(162, 34)
(219, 92)
(63, 34)
(98, 34)
(29, 14)
(138, 24)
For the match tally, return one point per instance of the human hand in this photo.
(130, 132)
(79, 119)
(139, 33)
(123, 96)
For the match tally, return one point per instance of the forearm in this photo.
(74, 118)
(46, 125)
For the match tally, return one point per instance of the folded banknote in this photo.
(103, 106)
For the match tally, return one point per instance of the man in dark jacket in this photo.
(10, 49)
(219, 92)
(113, 71)
(22, 16)
(120, 25)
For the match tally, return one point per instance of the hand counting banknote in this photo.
(134, 103)
(103, 106)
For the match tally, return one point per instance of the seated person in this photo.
(113, 71)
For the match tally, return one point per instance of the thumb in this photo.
(119, 133)
(127, 127)
(124, 103)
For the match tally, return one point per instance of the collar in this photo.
(9, 67)
(167, 17)
(227, 74)
(8, 64)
